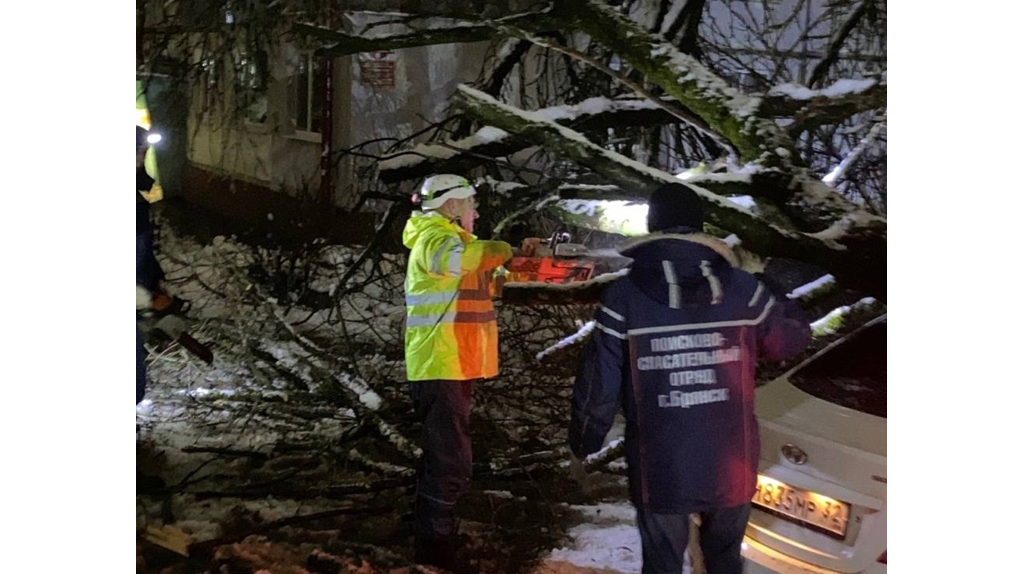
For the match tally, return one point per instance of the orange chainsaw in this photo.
(555, 261)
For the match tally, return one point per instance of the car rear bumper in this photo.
(759, 559)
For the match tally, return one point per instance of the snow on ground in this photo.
(207, 430)
(191, 406)
(607, 541)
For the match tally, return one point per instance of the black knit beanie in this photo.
(674, 205)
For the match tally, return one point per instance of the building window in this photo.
(209, 84)
(253, 95)
(307, 88)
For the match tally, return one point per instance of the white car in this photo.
(821, 501)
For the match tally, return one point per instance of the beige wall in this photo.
(273, 155)
(269, 153)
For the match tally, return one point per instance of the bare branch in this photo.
(835, 45)
(345, 44)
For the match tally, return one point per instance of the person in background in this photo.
(676, 345)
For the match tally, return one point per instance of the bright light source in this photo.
(629, 218)
(153, 138)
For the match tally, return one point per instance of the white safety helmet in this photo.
(438, 189)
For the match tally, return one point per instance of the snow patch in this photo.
(570, 340)
(839, 89)
(503, 187)
(811, 287)
(608, 539)
(828, 324)
(592, 106)
(839, 230)
(609, 445)
(614, 547)
(588, 187)
(744, 201)
(488, 134)
(485, 135)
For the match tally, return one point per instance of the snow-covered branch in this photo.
(670, 106)
(726, 110)
(836, 175)
(594, 115)
(812, 108)
(829, 248)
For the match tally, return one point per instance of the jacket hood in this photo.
(680, 267)
(424, 223)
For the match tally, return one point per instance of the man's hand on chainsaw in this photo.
(529, 246)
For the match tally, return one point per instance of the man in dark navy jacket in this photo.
(676, 344)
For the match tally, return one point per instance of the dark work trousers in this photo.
(664, 538)
(447, 462)
(147, 269)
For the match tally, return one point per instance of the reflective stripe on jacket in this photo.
(451, 327)
(676, 347)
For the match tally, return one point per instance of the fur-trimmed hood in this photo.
(678, 268)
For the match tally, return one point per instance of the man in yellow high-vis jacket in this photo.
(451, 339)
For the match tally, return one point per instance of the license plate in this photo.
(802, 506)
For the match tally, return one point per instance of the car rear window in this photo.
(851, 374)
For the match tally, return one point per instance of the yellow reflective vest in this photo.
(451, 327)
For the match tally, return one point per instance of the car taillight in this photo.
(882, 557)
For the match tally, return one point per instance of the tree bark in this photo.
(843, 248)
(823, 110)
(726, 110)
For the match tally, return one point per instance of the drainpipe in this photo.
(327, 126)
(327, 136)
